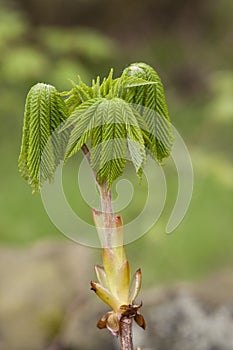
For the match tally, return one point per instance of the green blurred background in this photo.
(189, 43)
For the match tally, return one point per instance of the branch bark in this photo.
(126, 338)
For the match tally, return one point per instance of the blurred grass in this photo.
(204, 241)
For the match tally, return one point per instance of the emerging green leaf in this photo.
(112, 128)
(150, 101)
(106, 86)
(44, 112)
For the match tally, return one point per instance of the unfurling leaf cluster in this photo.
(118, 120)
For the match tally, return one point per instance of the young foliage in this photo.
(39, 155)
(119, 120)
(113, 128)
(151, 103)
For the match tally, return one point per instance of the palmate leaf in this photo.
(40, 153)
(112, 129)
(150, 101)
(120, 120)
